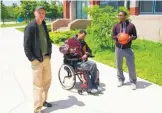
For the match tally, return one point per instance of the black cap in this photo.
(83, 31)
(39, 7)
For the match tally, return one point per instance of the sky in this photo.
(10, 2)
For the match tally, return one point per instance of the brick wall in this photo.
(66, 9)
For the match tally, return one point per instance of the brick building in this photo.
(144, 14)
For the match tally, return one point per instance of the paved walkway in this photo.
(16, 86)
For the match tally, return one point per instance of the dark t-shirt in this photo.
(43, 39)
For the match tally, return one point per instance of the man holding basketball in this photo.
(123, 33)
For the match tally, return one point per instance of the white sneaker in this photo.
(134, 86)
(93, 91)
(99, 88)
(120, 83)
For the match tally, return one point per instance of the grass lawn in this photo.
(18, 24)
(148, 60)
(22, 29)
(12, 25)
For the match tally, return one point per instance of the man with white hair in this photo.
(38, 49)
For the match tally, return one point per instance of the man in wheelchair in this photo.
(77, 48)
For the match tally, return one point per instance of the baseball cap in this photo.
(39, 7)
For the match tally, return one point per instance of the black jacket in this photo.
(32, 44)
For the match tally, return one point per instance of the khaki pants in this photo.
(41, 81)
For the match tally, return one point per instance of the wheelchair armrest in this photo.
(73, 59)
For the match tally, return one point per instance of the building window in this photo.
(115, 4)
(150, 7)
(158, 7)
(80, 6)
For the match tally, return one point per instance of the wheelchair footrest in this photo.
(84, 86)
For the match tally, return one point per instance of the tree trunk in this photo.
(26, 19)
(30, 18)
(3, 20)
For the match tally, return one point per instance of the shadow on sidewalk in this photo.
(63, 104)
(78, 85)
(140, 84)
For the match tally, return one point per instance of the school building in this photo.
(146, 15)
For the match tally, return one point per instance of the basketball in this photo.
(123, 38)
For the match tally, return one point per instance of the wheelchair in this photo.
(68, 78)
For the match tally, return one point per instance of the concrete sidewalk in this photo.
(16, 86)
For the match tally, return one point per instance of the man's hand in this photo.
(35, 62)
(84, 57)
(72, 50)
(130, 38)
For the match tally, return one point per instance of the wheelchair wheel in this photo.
(67, 77)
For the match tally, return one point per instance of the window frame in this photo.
(110, 1)
(153, 8)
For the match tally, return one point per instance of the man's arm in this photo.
(134, 33)
(27, 44)
(88, 50)
(114, 34)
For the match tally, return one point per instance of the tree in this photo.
(14, 5)
(17, 12)
(28, 8)
(4, 12)
(9, 10)
(53, 8)
(56, 10)
(45, 4)
(60, 10)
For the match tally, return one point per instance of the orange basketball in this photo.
(123, 38)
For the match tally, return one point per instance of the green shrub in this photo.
(49, 28)
(60, 37)
(100, 30)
